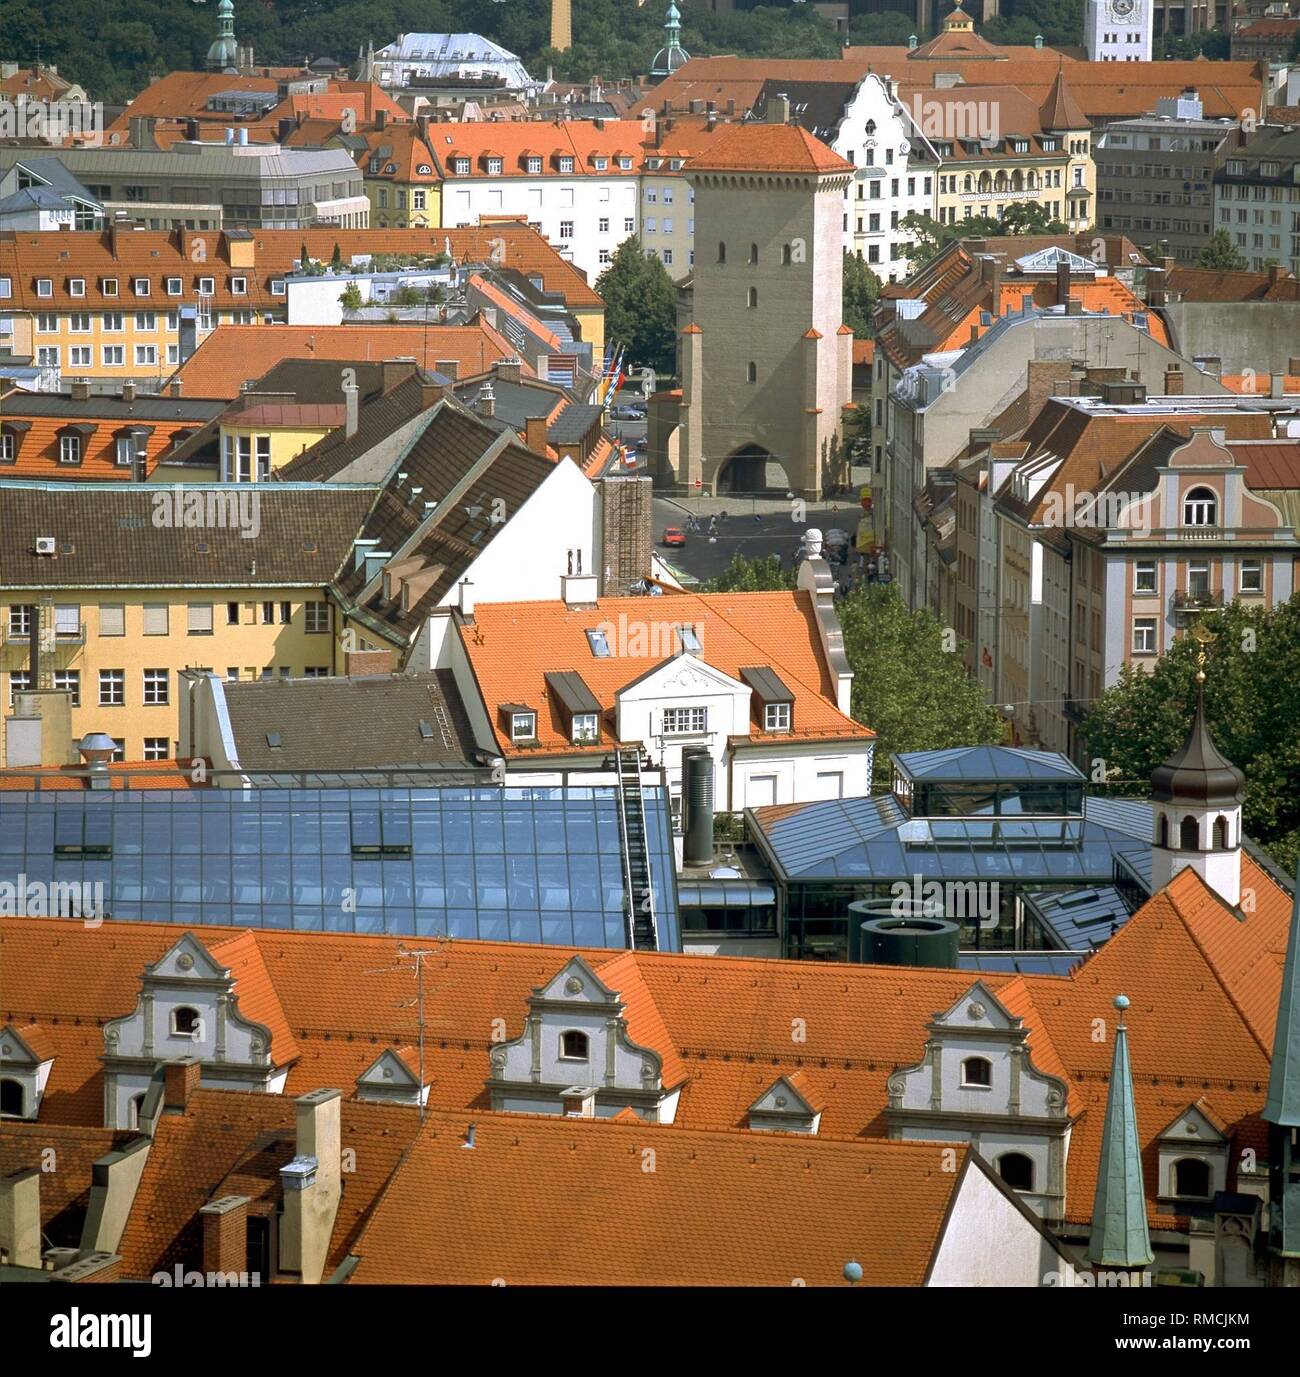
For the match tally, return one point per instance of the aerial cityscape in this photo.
(650, 643)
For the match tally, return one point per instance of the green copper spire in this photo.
(1119, 1209)
(1283, 1104)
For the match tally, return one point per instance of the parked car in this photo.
(674, 535)
(628, 413)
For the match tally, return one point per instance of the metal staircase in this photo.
(642, 930)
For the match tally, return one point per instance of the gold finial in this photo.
(1204, 639)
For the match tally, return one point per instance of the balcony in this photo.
(1186, 603)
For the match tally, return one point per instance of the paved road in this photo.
(753, 528)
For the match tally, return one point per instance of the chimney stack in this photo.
(486, 404)
(535, 428)
(351, 410)
(225, 1235)
(448, 367)
(394, 371)
(20, 1217)
(508, 370)
(1062, 283)
(1276, 385)
(465, 599)
(181, 1080)
(80, 390)
(311, 1186)
(128, 390)
(1173, 381)
(381, 119)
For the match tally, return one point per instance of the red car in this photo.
(674, 535)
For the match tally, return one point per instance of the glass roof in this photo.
(1079, 919)
(537, 864)
(873, 841)
(1020, 962)
(986, 764)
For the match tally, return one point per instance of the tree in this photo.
(929, 238)
(1029, 217)
(1220, 254)
(336, 260)
(861, 288)
(761, 575)
(350, 297)
(640, 306)
(1252, 704)
(909, 685)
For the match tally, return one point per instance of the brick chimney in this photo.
(181, 1080)
(535, 428)
(1062, 283)
(176, 387)
(508, 370)
(394, 371)
(80, 390)
(1045, 378)
(225, 1235)
(1276, 273)
(991, 274)
(1173, 381)
(430, 392)
(448, 367)
(128, 390)
(381, 119)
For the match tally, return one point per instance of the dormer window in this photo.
(141, 286)
(239, 286)
(460, 166)
(577, 704)
(1016, 1170)
(585, 728)
(776, 717)
(44, 286)
(625, 164)
(1200, 508)
(185, 1022)
(1192, 1179)
(494, 167)
(521, 720)
(108, 286)
(174, 286)
(76, 286)
(12, 1101)
(574, 1046)
(601, 164)
(566, 164)
(977, 1072)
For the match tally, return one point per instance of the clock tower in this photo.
(1118, 30)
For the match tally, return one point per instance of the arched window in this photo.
(1200, 508)
(1017, 1170)
(787, 255)
(977, 1071)
(722, 252)
(573, 1045)
(1220, 833)
(751, 372)
(11, 1098)
(753, 253)
(1192, 1178)
(1189, 838)
(185, 1021)
(753, 297)
(969, 183)
(1163, 832)
(871, 126)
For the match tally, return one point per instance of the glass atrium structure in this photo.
(1007, 841)
(519, 864)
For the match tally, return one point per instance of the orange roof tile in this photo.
(768, 148)
(256, 994)
(736, 630)
(231, 353)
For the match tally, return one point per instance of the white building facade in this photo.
(1118, 30)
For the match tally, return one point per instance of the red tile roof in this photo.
(513, 646)
(231, 353)
(768, 148)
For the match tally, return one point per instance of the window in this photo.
(20, 680)
(155, 618)
(114, 322)
(1144, 576)
(20, 622)
(574, 1046)
(722, 252)
(1192, 1178)
(80, 356)
(602, 225)
(198, 619)
(186, 1022)
(174, 286)
(685, 721)
(776, 717)
(668, 258)
(76, 286)
(523, 726)
(1198, 578)
(629, 224)
(146, 354)
(11, 1099)
(114, 356)
(232, 614)
(1016, 1170)
(534, 165)
(268, 614)
(286, 613)
(751, 372)
(112, 688)
(753, 298)
(156, 683)
(1221, 833)
(1200, 508)
(599, 643)
(1144, 635)
(566, 229)
(649, 224)
(157, 748)
(141, 286)
(70, 681)
(316, 672)
(67, 620)
(123, 451)
(69, 449)
(47, 323)
(1188, 834)
(977, 1071)
(1252, 576)
(239, 286)
(566, 164)
(585, 727)
(146, 320)
(44, 286)
(207, 285)
(318, 617)
(112, 619)
(753, 253)
(277, 283)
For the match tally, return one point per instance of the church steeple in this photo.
(1119, 1238)
(1282, 1113)
(224, 53)
(1197, 796)
(672, 55)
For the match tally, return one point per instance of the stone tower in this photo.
(766, 360)
(561, 25)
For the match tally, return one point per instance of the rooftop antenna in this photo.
(417, 954)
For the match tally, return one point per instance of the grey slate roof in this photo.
(342, 723)
(144, 408)
(106, 536)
